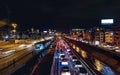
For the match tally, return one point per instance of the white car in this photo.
(64, 62)
(65, 71)
(62, 57)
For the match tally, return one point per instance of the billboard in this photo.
(107, 21)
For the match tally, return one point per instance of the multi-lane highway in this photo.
(69, 59)
(45, 62)
(65, 58)
(67, 63)
(14, 59)
(13, 56)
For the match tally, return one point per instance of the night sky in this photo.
(58, 14)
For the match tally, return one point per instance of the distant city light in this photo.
(107, 21)
(45, 31)
(5, 37)
(111, 33)
(97, 42)
(50, 32)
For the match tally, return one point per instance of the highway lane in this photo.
(29, 65)
(15, 47)
(10, 46)
(16, 65)
(45, 63)
(14, 58)
(65, 61)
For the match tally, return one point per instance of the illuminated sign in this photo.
(107, 21)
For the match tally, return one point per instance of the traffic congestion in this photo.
(66, 61)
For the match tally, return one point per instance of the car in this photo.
(62, 57)
(71, 54)
(82, 71)
(68, 50)
(77, 64)
(61, 54)
(74, 58)
(9, 52)
(64, 62)
(65, 71)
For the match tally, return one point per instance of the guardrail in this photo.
(91, 72)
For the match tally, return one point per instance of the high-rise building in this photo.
(117, 37)
(86, 35)
(77, 33)
(109, 37)
(99, 35)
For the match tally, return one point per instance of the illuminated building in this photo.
(86, 35)
(77, 33)
(109, 37)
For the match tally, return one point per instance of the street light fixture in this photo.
(14, 25)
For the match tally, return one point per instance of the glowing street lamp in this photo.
(14, 31)
(32, 29)
(14, 25)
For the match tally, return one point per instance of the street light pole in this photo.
(14, 25)
(32, 31)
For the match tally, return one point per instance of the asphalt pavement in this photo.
(44, 67)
